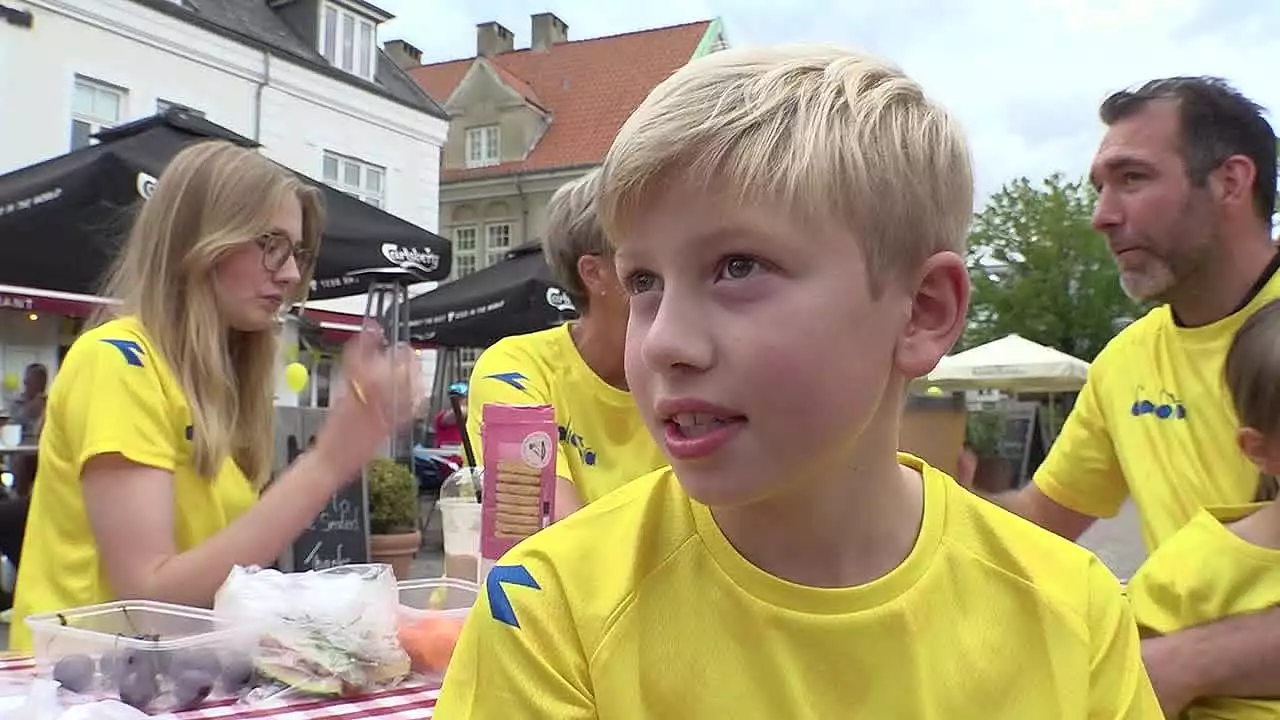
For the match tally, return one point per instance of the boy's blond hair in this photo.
(842, 139)
(573, 230)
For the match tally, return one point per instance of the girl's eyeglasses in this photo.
(277, 248)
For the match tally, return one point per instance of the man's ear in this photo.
(937, 318)
(1233, 181)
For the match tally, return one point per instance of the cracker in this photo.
(516, 499)
(518, 489)
(519, 515)
(514, 479)
(517, 467)
(525, 529)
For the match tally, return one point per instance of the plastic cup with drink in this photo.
(460, 522)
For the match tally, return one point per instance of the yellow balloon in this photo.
(11, 381)
(296, 376)
(934, 390)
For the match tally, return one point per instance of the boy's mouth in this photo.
(693, 425)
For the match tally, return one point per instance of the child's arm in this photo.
(1236, 657)
(1118, 685)
(520, 654)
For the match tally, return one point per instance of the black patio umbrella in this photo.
(512, 297)
(62, 220)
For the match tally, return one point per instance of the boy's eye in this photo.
(640, 281)
(737, 268)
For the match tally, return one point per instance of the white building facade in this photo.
(305, 78)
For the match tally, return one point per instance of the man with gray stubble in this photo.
(1186, 176)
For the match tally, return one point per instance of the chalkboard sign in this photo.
(1023, 440)
(339, 535)
(1017, 434)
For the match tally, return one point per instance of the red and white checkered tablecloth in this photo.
(411, 702)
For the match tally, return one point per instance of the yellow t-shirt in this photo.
(638, 607)
(603, 442)
(1155, 421)
(113, 394)
(1204, 573)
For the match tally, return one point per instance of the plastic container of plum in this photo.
(432, 612)
(153, 656)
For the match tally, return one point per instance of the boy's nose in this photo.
(677, 339)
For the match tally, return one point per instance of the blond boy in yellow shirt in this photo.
(790, 223)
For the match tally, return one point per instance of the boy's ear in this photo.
(937, 317)
(1262, 452)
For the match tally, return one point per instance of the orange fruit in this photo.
(430, 641)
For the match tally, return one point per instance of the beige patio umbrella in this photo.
(1013, 364)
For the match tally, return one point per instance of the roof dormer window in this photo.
(348, 39)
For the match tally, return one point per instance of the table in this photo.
(19, 449)
(411, 702)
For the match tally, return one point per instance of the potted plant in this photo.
(394, 537)
(983, 432)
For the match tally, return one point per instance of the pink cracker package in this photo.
(519, 474)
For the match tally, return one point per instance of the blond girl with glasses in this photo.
(159, 429)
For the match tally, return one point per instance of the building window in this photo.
(94, 106)
(468, 357)
(348, 40)
(483, 146)
(497, 242)
(464, 250)
(163, 105)
(356, 178)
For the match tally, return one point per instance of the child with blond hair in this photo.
(790, 224)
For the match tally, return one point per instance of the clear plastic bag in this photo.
(331, 632)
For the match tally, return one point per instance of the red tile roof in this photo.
(589, 87)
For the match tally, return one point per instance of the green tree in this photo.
(1040, 270)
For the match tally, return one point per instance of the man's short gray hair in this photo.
(573, 230)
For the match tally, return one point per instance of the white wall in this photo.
(295, 112)
(154, 56)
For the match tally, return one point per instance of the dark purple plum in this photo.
(203, 660)
(75, 672)
(160, 659)
(191, 687)
(109, 664)
(237, 673)
(146, 661)
(138, 689)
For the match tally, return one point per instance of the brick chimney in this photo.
(493, 39)
(548, 30)
(403, 54)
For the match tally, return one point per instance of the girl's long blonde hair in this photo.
(213, 197)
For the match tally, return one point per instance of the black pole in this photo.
(455, 401)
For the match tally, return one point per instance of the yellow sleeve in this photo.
(113, 401)
(1119, 688)
(1156, 594)
(505, 376)
(1082, 471)
(519, 655)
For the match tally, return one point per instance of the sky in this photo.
(1023, 76)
